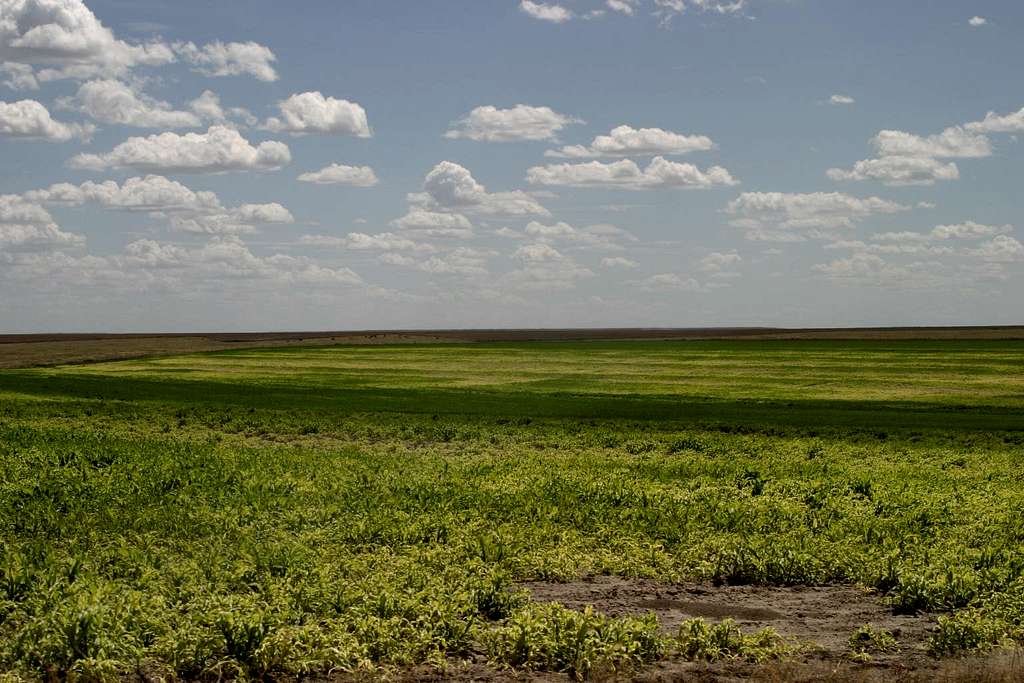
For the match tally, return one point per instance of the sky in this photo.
(386, 164)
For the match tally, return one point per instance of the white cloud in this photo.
(18, 76)
(718, 261)
(339, 174)
(312, 112)
(996, 123)
(785, 217)
(627, 7)
(451, 187)
(110, 101)
(898, 170)
(599, 236)
(360, 241)
(151, 193)
(618, 262)
(16, 209)
(435, 224)
(909, 159)
(186, 210)
(271, 212)
(230, 258)
(626, 175)
(841, 99)
(977, 21)
(960, 231)
(218, 150)
(556, 14)
(208, 107)
(668, 282)
(897, 247)
(625, 141)
(459, 261)
(666, 10)
(32, 238)
(537, 253)
(230, 59)
(952, 143)
(544, 269)
(1000, 249)
(30, 120)
(521, 122)
(67, 38)
(26, 226)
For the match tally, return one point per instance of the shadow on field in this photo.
(874, 415)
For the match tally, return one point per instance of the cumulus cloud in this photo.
(537, 253)
(459, 261)
(21, 237)
(627, 7)
(618, 262)
(667, 10)
(784, 217)
(556, 14)
(977, 21)
(599, 236)
(521, 122)
(238, 221)
(150, 193)
(67, 39)
(841, 99)
(953, 143)
(229, 59)
(110, 101)
(451, 187)
(435, 224)
(1000, 249)
(626, 175)
(716, 261)
(898, 170)
(185, 209)
(339, 174)
(312, 112)
(360, 241)
(544, 268)
(625, 141)
(18, 76)
(30, 120)
(959, 231)
(668, 282)
(909, 159)
(219, 150)
(25, 226)
(208, 108)
(230, 258)
(996, 123)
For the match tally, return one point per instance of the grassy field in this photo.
(327, 510)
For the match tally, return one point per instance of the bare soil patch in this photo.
(823, 615)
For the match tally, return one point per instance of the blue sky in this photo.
(187, 165)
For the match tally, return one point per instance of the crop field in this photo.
(717, 509)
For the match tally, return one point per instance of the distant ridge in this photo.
(551, 334)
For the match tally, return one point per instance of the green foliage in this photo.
(867, 640)
(552, 638)
(697, 640)
(296, 512)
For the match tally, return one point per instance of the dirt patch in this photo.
(823, 617)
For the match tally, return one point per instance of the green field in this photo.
(309, 511)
